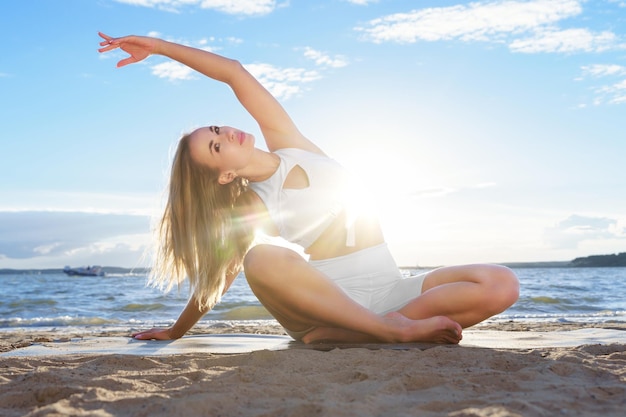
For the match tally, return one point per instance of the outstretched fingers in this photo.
(108, 43)
(138, 47)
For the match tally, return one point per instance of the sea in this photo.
(57, 302)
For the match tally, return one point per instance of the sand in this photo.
(369, 380)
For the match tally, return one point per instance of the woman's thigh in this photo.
(483, 274)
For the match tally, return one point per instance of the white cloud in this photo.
(613, 93)
(166, 5)
(33, 234)
(245, 7)
(570, 40)
(172, 71)
(362, 2)
(526, 26)
(46, 249)
(234, 41)
(324, 60)
(283, 83)
(236, 7)
(575, 230)
(600, 70)
(476, 21)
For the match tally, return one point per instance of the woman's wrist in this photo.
(175, 333)
(160, 46)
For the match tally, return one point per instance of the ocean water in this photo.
(123, 301)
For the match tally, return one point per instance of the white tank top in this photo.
(301, 215)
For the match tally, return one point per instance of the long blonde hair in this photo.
(199, 236)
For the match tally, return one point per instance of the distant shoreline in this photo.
(594, 261)
(106, 269)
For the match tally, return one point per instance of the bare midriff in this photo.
(332, 242)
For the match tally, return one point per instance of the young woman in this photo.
(223, 189)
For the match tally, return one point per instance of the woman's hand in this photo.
(154, 334)
(138, 47)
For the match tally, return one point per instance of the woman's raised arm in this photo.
(276, 125)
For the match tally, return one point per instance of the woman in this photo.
(223, 189)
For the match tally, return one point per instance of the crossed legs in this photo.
(467, 294)
(300, 298)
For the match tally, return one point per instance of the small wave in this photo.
(246, 313)
(143, 307)
(589, 317)
(27, 302)
(56, 321)
(545, 300)
(125, 274)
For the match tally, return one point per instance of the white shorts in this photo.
(371, 278)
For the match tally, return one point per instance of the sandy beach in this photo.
(372, 380)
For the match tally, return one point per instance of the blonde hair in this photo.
(200, 235)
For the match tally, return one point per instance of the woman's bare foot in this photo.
(439, 329)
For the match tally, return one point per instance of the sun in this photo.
(385, 184)
(408, 193)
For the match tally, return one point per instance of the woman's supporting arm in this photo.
(190, 315)
(187, 319)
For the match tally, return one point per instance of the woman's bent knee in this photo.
(505, 287)
(263, 261)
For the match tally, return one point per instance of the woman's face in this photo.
(222, 148)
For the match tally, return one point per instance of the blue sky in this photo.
(491, 131)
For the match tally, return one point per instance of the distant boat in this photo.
(85, 271)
